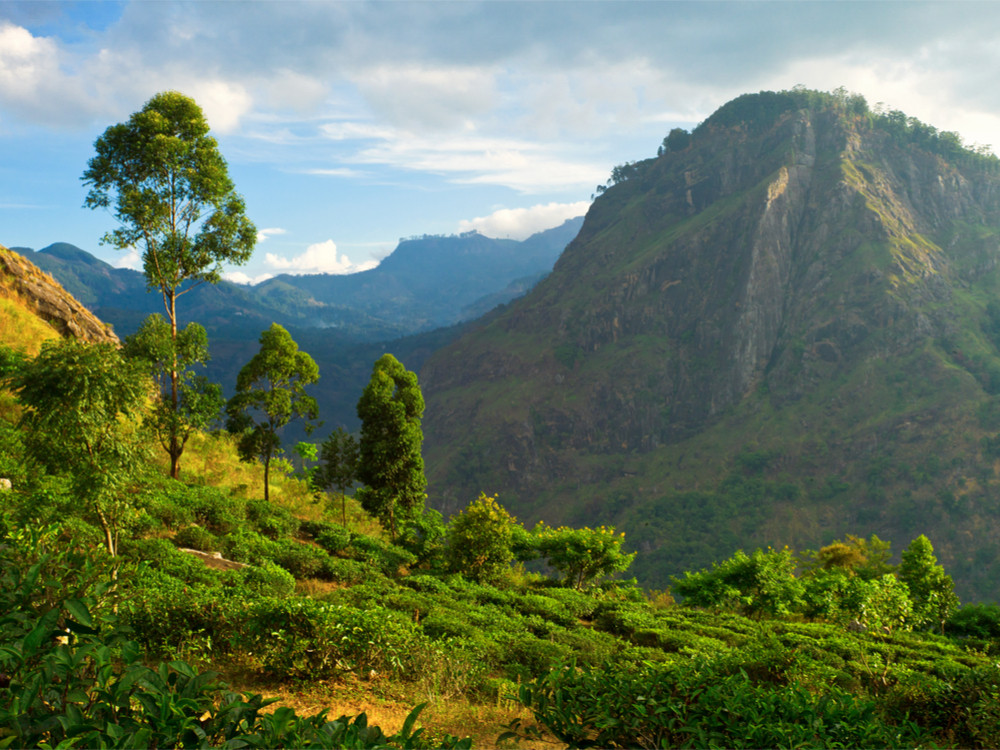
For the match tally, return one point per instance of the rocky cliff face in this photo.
(776, 255)
(21, 279)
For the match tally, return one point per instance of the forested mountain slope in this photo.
(779, 330)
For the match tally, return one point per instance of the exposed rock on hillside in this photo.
(763, 288)
(21, 279)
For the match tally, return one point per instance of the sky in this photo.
(350, 125)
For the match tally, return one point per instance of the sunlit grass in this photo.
(211, 459)
(21, 329)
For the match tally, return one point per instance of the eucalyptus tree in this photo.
(390, 462)
(162, 176)
(270, 392)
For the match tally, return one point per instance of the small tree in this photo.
(390, 463)
(338, 467)
(758, 584)
(84, 406)
(172, 195)
(270, 392)
(582, 555)
(480, 540)
(199, 402)
(931, 589)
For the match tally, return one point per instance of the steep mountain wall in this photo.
(748, 290)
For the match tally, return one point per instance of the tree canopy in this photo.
(390, 463)
(270, 392)
(168, 186)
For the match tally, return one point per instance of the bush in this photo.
(271, 520)
(334, 539)
(301, 560)
(684, 705)
(387, 557)
(195, 537)
(582, 555)
(266, 579)
(344, 571)
(479, 541)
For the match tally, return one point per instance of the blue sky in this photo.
(348, 125)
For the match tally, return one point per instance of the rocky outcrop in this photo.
(40, 292)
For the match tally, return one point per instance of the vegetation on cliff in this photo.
(776, 331)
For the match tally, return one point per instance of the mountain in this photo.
(781, 330)
(35, 307)
(414, 302)
(431, 281)
(426, 283)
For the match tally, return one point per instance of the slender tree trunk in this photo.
(175, 448)
(267, 474)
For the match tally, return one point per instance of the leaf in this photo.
(80, 613)
(411, 720)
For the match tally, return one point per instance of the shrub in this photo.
(266, 579)
(684, 705)
(271, 520)
(195, 537)
(334, 539)
(479, 541)
(582, 555)
(301, 560)
(387, 557)
(344, 571)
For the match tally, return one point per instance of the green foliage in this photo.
(84, 406)
(187, 402)
(423, 535)
(479, 541)
(270, 392)
(87, 687)
(980, 621)
(196, 537)
(582, 555)
(692, 705)
(763, 583)
(338, 468)
(390, 463)
(383, 555)
(266, 579)
(932, 590)
(172, 196)
(166, 179)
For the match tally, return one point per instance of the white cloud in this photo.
(519, 223)
(224, 103)
(424, 97)
(131, 259)
(263, 234)
(321, 257)
(521, 165)
(33, 85)
(238, 277)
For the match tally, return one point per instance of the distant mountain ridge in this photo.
(783, 329)
(425, 283)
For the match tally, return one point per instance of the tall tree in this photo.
(390, 463)
(931, 589)
(84, 406)
(199, 401)
(172, 196)
(270, 392)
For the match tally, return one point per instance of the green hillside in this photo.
(778, 331)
